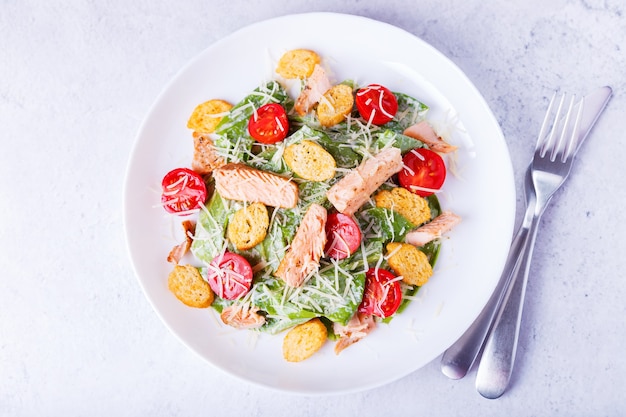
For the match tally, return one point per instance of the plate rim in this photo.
(199, 56)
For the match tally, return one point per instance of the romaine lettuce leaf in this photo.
(208, 240)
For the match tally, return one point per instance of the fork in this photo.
(552, 162)
(558, 142)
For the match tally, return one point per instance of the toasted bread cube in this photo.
(206, 116)
(310, 161)
(335, 105)
(248, 227)
(409, 262)
(297, 63)
(411, 206)
(189, 287)
(304, 340)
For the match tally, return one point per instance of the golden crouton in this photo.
(248, 226)
(310, 161)
(189, 287)
(409, 262)
(304, 340)
(206, 116)
(297, 63)
(411, 206)
(335, 105)
(205, 158)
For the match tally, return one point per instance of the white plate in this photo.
(482, 193)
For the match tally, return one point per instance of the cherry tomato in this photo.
(382, 295)
(424, 172)
(343, 236)
(230, 275)
(269, 124)
(182, 191)
(376, 103)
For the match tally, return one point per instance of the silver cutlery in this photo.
(559, 140)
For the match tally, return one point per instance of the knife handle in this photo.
(459, 357)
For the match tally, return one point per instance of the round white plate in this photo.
(481, 191)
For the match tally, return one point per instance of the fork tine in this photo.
(574, 142)
(545, 125)
(560, 145)
(547, 142)
(557, 135)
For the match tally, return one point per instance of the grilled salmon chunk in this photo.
(316, 85)
(353, 190)
(434, 229)
(243, 183)
(423, 132)
(242, 316)
(205, 159)
(359, 326)
(306, 249)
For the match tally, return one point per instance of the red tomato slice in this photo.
(230, 276)
(343, 236)
(182, 191)
(376, 103)
(269, 124)
(424, 172)
(383, 294)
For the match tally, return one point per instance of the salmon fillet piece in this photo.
(434, 229)
(422, 131)
(236, 181)
(205, 158)
(353, 190)
(242, 316)
(316, 85)
(359, 326)
(307, 247)
(178, 251)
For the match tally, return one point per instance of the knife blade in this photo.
(594, 104)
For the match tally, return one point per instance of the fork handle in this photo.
(458, 358)
(498, 357)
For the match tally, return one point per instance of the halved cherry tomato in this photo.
(343, 236)
(376, 103)
(424, 172)
(230, 275)
(183, 190)
(269, 124)
(383, 294)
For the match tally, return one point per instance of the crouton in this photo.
(304, 340)
(297, 63)
(189, 287)
(411, 206)
(248, 227)
(206, 116)
(205, 158)
(310, 161)
(409, 262)
(335, 105)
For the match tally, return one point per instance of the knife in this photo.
(458, 358)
